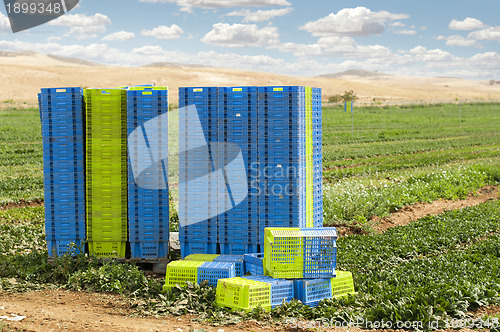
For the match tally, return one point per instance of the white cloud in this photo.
(397, 24)
(457, 40)
(405, 32)
(83, 26)
(492, 33)
(119, 36)
(239, 35)
(164, 32)
(421, 53)
(4, 23)
(260, 15)
(467, 24)
(358, 21)
(188, 5)
(335, 46)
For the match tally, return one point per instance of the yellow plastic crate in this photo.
(111, 249)
(342, 284)
(284, 253)
(179, 272)
(243, 294)
(297, 253)
(201, 257)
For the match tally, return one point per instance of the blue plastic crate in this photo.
(237, 260)
(311, 291)
(237, 249)
(62, 247)
(189, 248)
(281, 289)
(213, 271)
(153, 250)
(254, 264)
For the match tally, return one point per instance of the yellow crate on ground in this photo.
(243, 294)
(179, 272)
(201, 257)
(296, 253)
(283, 253)
(342, 284)
(108, 249)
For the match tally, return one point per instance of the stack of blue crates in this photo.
(238, 124)
(148, 195)
(273, 134)
(282, 161)
(61, 112)
(198, 204)
(317, 118)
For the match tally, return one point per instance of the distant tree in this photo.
(492, 82)
(349, 96)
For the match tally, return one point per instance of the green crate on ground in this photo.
(179, 272)
(342, 284)
(201, 257)
(243, 294)
(297, 253)
(112, 249)
(283, 253)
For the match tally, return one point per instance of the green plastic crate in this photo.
(201, 257)
(106, 168)
(179, 272)
(243, 294)
(284, 253)
(295, 253)
(342, 284)
(113, 249)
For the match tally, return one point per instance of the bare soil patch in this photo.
(21, 204)
(61, 310)
(411, 213)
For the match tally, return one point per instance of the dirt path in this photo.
(60, 310)
(413, 212)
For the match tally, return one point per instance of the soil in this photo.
(60, 310)
(413, 212)
(21, 204)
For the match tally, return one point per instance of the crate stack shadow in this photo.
(95, 190)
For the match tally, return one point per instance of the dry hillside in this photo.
(22, 75)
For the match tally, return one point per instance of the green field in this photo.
(433, 270)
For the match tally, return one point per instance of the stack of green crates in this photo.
(106, 161)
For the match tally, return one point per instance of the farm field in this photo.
(378, 162)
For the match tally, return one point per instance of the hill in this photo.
(24, 73)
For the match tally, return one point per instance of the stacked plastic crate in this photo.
(106, 159)
(282, 159)
(317, 136)
(238, 124)
(148, 195)
(199, 177)
(61, 112)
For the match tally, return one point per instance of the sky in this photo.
(453, 38)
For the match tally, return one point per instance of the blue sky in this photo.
(295, 37)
